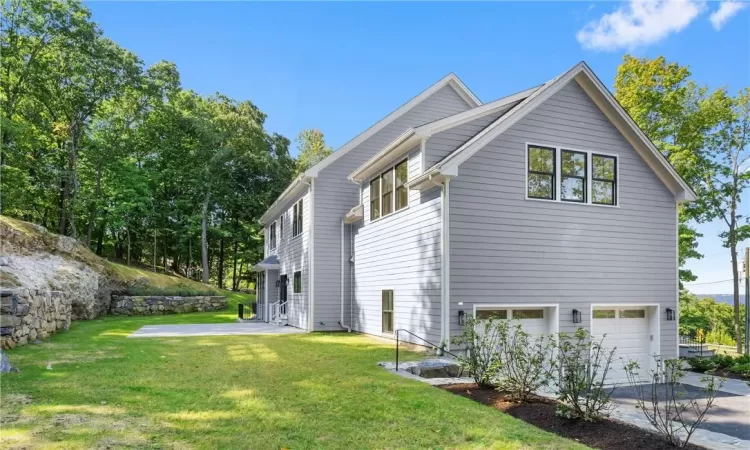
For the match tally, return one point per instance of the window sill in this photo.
(571, 203)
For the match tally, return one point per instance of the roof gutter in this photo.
(399, 146)
(301, 181)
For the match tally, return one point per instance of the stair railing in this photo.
(398, 341)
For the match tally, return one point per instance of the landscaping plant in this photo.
(480, 340)
(582, 366)
(664, 401)
(524, 361)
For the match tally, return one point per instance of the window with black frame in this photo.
(603, 180)
(541, 172)
(387, 309)
(297, 283)
(573, 176)
(375, 199)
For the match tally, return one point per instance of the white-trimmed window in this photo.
(297, 283)
(297, 218)
(281, 227)
(272, 236)
(388, 192)
(387, 308)
(570, 175)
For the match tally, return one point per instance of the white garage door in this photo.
(628, 330)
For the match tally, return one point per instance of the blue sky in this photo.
(340, 67)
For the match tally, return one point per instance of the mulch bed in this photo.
(606, 434)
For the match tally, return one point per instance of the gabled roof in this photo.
(450, 80)
(594, 88)
(412, 136)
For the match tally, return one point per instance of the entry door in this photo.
(627, 329)
(283, 293)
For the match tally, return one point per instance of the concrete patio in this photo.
(213, 329)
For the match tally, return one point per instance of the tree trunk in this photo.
(154, 263)
(72, 180)
(204, 232)
(234, 267)
(189, 257)
(164, 256)
(92, 204)
(100, 239)
(736, 287)
(128, 230)
(221, 263)
(62, 219)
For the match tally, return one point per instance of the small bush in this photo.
(742, 370)
(480, 340)
(524, 361)
(701, 364)
(722, 361)
(582, 368)
(674, 416)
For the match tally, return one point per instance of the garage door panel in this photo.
(626, 329)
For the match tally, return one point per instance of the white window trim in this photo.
(280, 221)
(393, 312)
(393, 192)
(301, 289)
(294, 219)
(558, 174)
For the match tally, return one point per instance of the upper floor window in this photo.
(388, 192)
(541, 183)
(297, 219)
(272, 236)
(604, 177)
(560, 174)
(281, 227)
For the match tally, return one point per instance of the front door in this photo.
(282, 293)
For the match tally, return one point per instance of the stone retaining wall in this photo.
(157, 305)
(30, 314)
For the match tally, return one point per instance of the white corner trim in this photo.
(445, 265)
(311, 262)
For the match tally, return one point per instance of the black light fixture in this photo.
(461, 317)
(670, 314)
(576, 316)
(278, 283)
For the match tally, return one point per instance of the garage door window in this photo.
(604, 314)
(528, 314)
(484, 314)
(632, 314)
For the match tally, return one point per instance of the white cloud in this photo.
(725, 12)
(638, 23)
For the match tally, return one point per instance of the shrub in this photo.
(701, 364)
(524, 361)
(582, 367)
(741, 369)
(722, 361)
(673, 416)
(480, 340)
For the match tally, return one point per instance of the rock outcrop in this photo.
(157, 305)
(30, 314)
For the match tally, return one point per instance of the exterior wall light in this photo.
(576, 316)
(461, 317)
(670, 314)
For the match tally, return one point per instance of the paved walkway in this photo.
(213, 329)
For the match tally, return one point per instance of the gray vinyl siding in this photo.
(335, 195)
(444, 143)
(506, 249)
(293, 255)
(400, 252)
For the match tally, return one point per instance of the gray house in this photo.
(549, 206)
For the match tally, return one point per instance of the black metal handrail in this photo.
(398, 341)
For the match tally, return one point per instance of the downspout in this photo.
(341, 320)
(445, 263)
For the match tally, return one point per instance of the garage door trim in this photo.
(554, 320)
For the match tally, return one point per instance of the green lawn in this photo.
(235, 392)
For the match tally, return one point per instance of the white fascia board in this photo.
(295, 187)
(687, 194)
(461, 118)
(396, 148)
(450, 80)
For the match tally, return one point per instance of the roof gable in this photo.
(599, 94)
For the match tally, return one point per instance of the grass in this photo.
(260, 392)
(141, 281)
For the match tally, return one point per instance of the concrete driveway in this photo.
(213, 329)
(730, 415)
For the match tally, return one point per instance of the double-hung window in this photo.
(297, 219)
(297, 285)
(573, 176)
(541, 172)
(388, 191)
(561, 174)
(281, 227)
(604, 179)
(272, 236)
